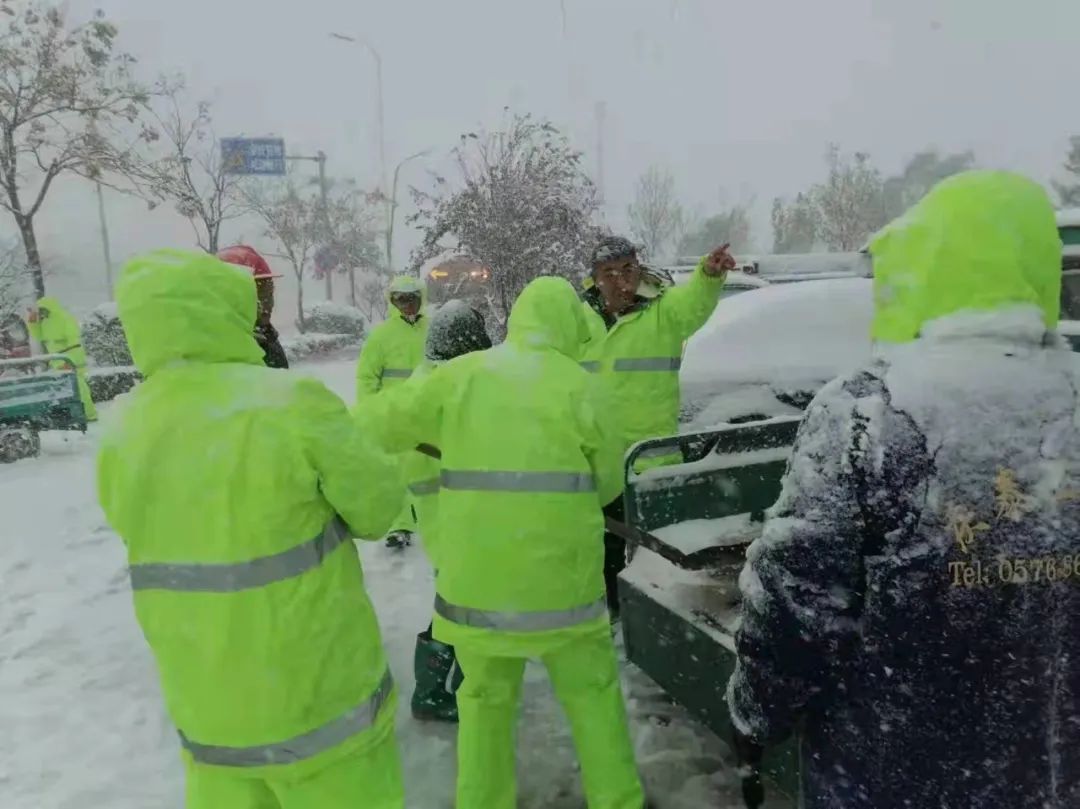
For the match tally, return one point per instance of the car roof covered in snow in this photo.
(681, 275)
(783, 333)
(799, 266)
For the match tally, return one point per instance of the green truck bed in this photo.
(689, 525)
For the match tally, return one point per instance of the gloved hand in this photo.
(748, 756)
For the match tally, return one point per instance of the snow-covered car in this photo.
(767, 352)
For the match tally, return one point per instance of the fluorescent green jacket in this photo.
(526, 466)
(236, 488)
(377, 415)
(394, 348)
(638, 358)
(59, 332)
(953, 251)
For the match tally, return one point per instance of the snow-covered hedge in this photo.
(302, 346)
(108, 383)
(103, 337)
(327, 317)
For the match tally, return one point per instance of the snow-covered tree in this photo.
(731, 226)
(68, 101)
(353, 248)
(1069, 191)
(293, 220)
(655, 214)
(522, 205)
(189, 170)
(14, 280)
(794, 224)
(922, 172)
(850, 204)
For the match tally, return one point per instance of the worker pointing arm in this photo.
(637, 325)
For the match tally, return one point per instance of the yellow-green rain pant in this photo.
(406, 520)
(84, 394)
(370, 779)
(585, 677)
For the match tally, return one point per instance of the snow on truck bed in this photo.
(691, 536)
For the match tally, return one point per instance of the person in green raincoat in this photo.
(389, 356)
(456, 329)
(58, 332)
(527, 462)
(237, 490)
(638, 326)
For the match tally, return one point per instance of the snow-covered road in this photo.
(81, 719)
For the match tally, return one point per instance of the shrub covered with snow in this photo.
(103, 337)
(302, 346)
(108, 383)
(327, 317)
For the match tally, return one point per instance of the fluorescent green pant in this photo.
(406, 520)
(84, 394)
(371, 780)
(585, 676)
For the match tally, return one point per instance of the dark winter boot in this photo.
(438, 677)
(399, 539)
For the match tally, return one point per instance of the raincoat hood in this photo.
(548, 313)
(177, 305)
(455, 329)
(406, 284)
(58, 318)
(981, 240)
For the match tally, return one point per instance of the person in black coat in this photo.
(912, 609)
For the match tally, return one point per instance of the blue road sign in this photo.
(264, 156)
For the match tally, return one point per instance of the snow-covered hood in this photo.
(979, 241)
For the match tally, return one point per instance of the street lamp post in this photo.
(105, 240)
(324, 202)
(391, 213)
(380, 112)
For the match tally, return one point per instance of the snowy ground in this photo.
(81, 719)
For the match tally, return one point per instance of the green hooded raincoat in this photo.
(950, 252)
(236, 489)
(395, 347)
(639, 357)
(527, 463)
(59, 333)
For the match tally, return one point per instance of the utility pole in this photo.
(105, 240)
(324, 193)
(601, 121)
(323, 197)
(380, 114)
(391, 214)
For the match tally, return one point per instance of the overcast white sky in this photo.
(735, 97)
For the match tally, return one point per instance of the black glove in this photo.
(748, 755)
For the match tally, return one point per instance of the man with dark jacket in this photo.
(914, 602)
(265, 333)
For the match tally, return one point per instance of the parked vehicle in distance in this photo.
(460, 277)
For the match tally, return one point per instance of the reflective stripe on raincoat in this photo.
(639, 357)
(395, 347)
(236, 489)
(526, 466)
